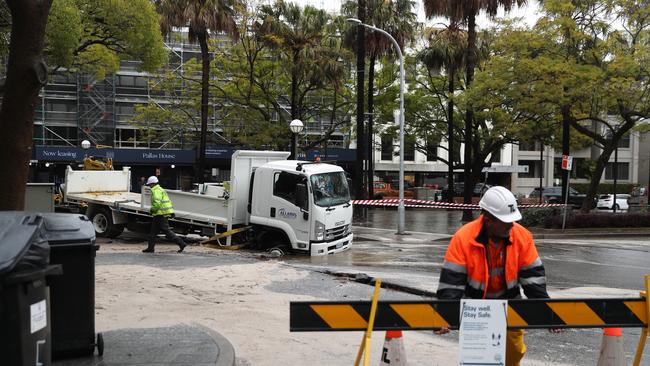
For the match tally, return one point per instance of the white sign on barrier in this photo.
(483, 327)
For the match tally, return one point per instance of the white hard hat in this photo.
(501, 203)
(152, 180)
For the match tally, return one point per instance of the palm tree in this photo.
(398, 19)
(464, 12)
(298, 33)
(201, 17)
(447, 50)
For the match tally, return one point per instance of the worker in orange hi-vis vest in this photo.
(493, 257)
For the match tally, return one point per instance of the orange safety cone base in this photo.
(393, 353)
(611, 349)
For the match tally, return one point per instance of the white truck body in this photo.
(313, 229)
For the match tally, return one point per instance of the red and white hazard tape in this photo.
(433, 204)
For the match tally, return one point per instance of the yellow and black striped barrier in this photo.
(316, 316)
(423, 315)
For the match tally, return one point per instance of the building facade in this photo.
(533, 161)
(74, 107)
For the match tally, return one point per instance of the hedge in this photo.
(604, 188)
(551, 218)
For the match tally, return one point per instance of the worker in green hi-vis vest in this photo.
(161, 210)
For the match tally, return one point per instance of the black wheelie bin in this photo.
(72, 244)
(25, 337)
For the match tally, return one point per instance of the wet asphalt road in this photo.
(616, 262)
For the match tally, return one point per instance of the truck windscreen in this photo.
(330, 189)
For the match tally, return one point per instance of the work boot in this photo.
(148, 250)
(182, 247)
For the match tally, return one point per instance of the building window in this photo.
(386, 147)
(623, 171)
(529, 145)
(432, 150)
(534, 169)
(624, 142)
(580, 169)
(496, 157)
(409, 148)
(55, 135)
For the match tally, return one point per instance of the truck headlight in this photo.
(319, 230)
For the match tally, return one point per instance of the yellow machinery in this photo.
(98, 163)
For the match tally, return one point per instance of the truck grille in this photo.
(336, 233)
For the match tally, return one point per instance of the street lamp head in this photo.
(354, 20)
(296, 126)
(85, 144)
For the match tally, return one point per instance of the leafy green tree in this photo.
(297, 33)
(574, 67)
(201, 17)
(251, 97)
(446, 50)
(611, 66)
(26, 74)
(400, 21)
(465, 12)
(181, 110)
(92, 36)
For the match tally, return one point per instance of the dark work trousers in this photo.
(160, 223)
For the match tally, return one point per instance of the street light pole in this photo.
(296, 127)
(400, 207)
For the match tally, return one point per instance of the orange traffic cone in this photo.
(393, 353)
(611, 350)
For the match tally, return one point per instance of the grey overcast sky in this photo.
(529, 12)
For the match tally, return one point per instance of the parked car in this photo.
(606, 202)
(390, 190)
(554, 195)
(479, 189)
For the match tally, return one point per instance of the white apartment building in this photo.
(421, 169)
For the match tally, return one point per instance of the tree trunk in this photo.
(26, 74)
(595, 178)
(469, 113)
(371, 108)
(294, 86)
(450, 134)
(361, 63)
(205, 90)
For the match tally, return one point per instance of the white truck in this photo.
(298, 205)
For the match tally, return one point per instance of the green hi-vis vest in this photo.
(161, 205)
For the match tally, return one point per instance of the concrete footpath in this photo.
(176, 345)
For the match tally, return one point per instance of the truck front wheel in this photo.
(102, 220)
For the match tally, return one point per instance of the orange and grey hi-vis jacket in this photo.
(465, 270)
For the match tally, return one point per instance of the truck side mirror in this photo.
(301, 196)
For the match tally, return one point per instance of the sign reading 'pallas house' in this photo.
(153, 156)
(483, 327)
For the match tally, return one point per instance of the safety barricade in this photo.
(368, 316)
(413, 203)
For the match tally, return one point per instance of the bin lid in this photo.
(67, 229)
(17, 231)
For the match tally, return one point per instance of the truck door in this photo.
(290, 204)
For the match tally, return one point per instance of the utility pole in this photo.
(361, 64)
(541, 171)
(565, 150)
(615, 176)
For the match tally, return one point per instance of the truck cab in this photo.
(304, 204)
